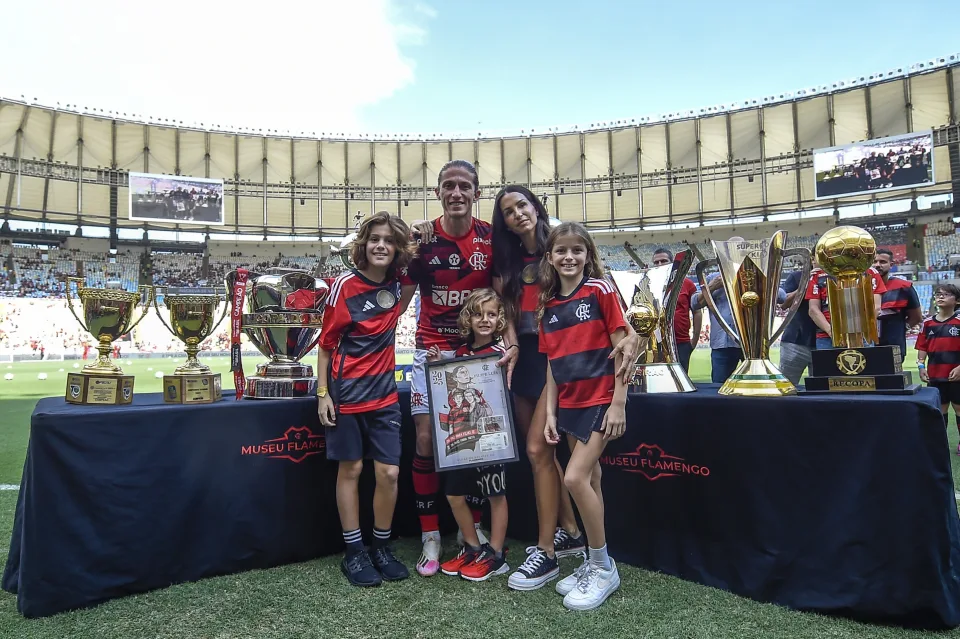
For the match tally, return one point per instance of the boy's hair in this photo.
(401, 240)
(549, 281)
(473, 305)
(949, 289)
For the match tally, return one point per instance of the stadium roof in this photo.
(69, 165)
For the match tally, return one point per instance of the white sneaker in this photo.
(570, 582)
(480, 535)
(429, 562)
(594, 588)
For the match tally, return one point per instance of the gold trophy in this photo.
(191, 321)
(650, 300)
(107, 314)
(750, 273)
(855, 364)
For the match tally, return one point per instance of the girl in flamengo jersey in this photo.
(481, 323)
(940, 339)
(361, 412)
(580, 322)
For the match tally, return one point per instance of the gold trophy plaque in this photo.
(107, 314)
(192, 321)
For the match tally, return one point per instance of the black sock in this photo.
(354, 541)
(381, 537)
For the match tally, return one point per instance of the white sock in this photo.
(599, 557)
(424, 536)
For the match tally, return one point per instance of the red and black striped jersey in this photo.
(817, 290)
(575, 334)
(900, 295)
(940, 340)
(467, 350)
(447, 270)
(359, 326)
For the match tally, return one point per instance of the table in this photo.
(841, 505)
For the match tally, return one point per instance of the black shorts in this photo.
(374, 434)
(484, 481)
(581, 422)
(949, 392)
(530, 372)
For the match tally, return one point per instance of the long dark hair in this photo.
(508, 249)
(549, 281)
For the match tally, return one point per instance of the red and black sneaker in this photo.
(486, 565)
(465, 556)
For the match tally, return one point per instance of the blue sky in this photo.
(431, 66)
(510, 65)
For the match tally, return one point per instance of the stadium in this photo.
(278, 198)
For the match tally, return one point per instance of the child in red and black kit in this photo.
(481, 323)
(360, 410)
(940, 339)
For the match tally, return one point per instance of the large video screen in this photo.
(172, 198)
(884, 164)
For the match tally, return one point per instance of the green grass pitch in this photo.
(312, 599)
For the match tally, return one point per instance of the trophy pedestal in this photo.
(661, 378)
(260, 387)
(98, 389)
(192, 389)
(757, 378)
(867, 369)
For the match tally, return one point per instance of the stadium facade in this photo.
(750, 159)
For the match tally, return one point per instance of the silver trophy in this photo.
(650, 300)
(283, 318)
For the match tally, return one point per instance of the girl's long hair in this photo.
(508, 251)
(549, 281)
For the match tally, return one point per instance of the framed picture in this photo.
(470, 412)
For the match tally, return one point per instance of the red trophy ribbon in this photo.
(236, 315)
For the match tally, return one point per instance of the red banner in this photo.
(239, 294)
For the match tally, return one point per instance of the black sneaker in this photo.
(388, 565)
(536, 570)
(359, 570)
(565, 545)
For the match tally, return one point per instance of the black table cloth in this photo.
(838, 504)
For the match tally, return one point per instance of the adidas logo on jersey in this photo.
(553, 319)
(368, 306)
(435, 261)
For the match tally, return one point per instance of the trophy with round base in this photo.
(284, 319)
(650, 301)
(107, 314)
(750, 274)
(191, 321)
(855, 364)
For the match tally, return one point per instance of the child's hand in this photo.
(923, 374)
(614, 421)
(433, 354)
(550, 431)
(326, 411)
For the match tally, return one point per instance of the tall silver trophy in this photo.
(650, 300)
(283, 317)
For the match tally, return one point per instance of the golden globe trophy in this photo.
(192, 321)
(107, 314)
(855, 364)
(750, 274)
(650, 301)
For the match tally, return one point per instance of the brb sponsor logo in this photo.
(654, 463)
(296, 444)
(443, 297)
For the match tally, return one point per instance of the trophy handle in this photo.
(79, 281)
(156, 305)
(797, 300)
(226, 309)
(148, 297)
(708, 297)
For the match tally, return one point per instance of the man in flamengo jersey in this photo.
(819, 302)
(939, 340)
(900, 306)
(361, 411)
(457, 259)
